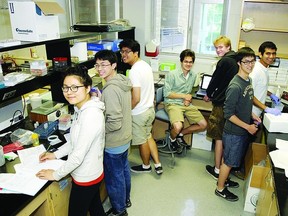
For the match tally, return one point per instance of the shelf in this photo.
(55, 48)
(63, 37)
(268, 30)
(27, 86)
(268, 1)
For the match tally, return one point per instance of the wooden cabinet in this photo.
(270, 19)
(53, 201)
(58, 196)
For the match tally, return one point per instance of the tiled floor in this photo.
(185, 190)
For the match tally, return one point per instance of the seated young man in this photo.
(178, 102)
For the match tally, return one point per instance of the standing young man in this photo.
(118, 131)
(226, 69)
(178, 102)
(143, 113)
(238, 115)
(260, 81)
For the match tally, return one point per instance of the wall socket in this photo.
(162, 76)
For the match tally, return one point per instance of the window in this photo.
(181, 24)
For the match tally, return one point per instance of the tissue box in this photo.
(201, 141)
(34, 21)
(276, 123)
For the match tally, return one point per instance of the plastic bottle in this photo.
(35, 139)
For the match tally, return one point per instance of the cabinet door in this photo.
(59, 197)
(39, 206)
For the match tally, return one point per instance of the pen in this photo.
(47, 150)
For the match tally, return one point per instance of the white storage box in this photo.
(34, 21)
(276, 123)
(201, 141)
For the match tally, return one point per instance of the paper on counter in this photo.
(280, 160)
(282, 144)
(25, 180)
(30, 156)
(22, 183)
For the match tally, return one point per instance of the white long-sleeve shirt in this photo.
(85, 151)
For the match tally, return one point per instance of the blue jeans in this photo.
(117, 179)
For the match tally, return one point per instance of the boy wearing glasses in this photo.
(143, 113)
(178, 102)
(260, 80)
(118, 131)
(238, 115)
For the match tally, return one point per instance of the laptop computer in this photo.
(204, 85)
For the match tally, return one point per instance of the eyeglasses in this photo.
(252, 62)
(97, 66)
(125, 52)
(72, 88)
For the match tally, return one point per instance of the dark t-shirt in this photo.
(239, 101)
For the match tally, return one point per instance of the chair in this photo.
(164, 145)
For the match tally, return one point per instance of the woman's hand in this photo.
(46, 156)
(46, 174)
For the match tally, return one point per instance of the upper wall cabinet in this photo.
(271, 24)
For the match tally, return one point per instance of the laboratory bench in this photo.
(52, 199)
(280, 180)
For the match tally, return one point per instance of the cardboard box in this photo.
(201, 141)
(277, 124)
(34, 21)
(257, 164)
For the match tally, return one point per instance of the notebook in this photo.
(204, 85)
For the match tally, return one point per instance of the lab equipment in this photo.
(46, 129)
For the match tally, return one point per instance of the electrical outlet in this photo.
(162, 76)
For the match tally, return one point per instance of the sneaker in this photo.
(128, 203)
(181, 141)
(112, 212)
(159, 170)
(211, 170)
(140, 169)
(226, 194)
(176, 147)
(238, 174)
(231, 184)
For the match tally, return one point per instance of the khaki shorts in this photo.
(142, 126)
(177, 113)
(216, 123)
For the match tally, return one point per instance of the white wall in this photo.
(139, 13)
